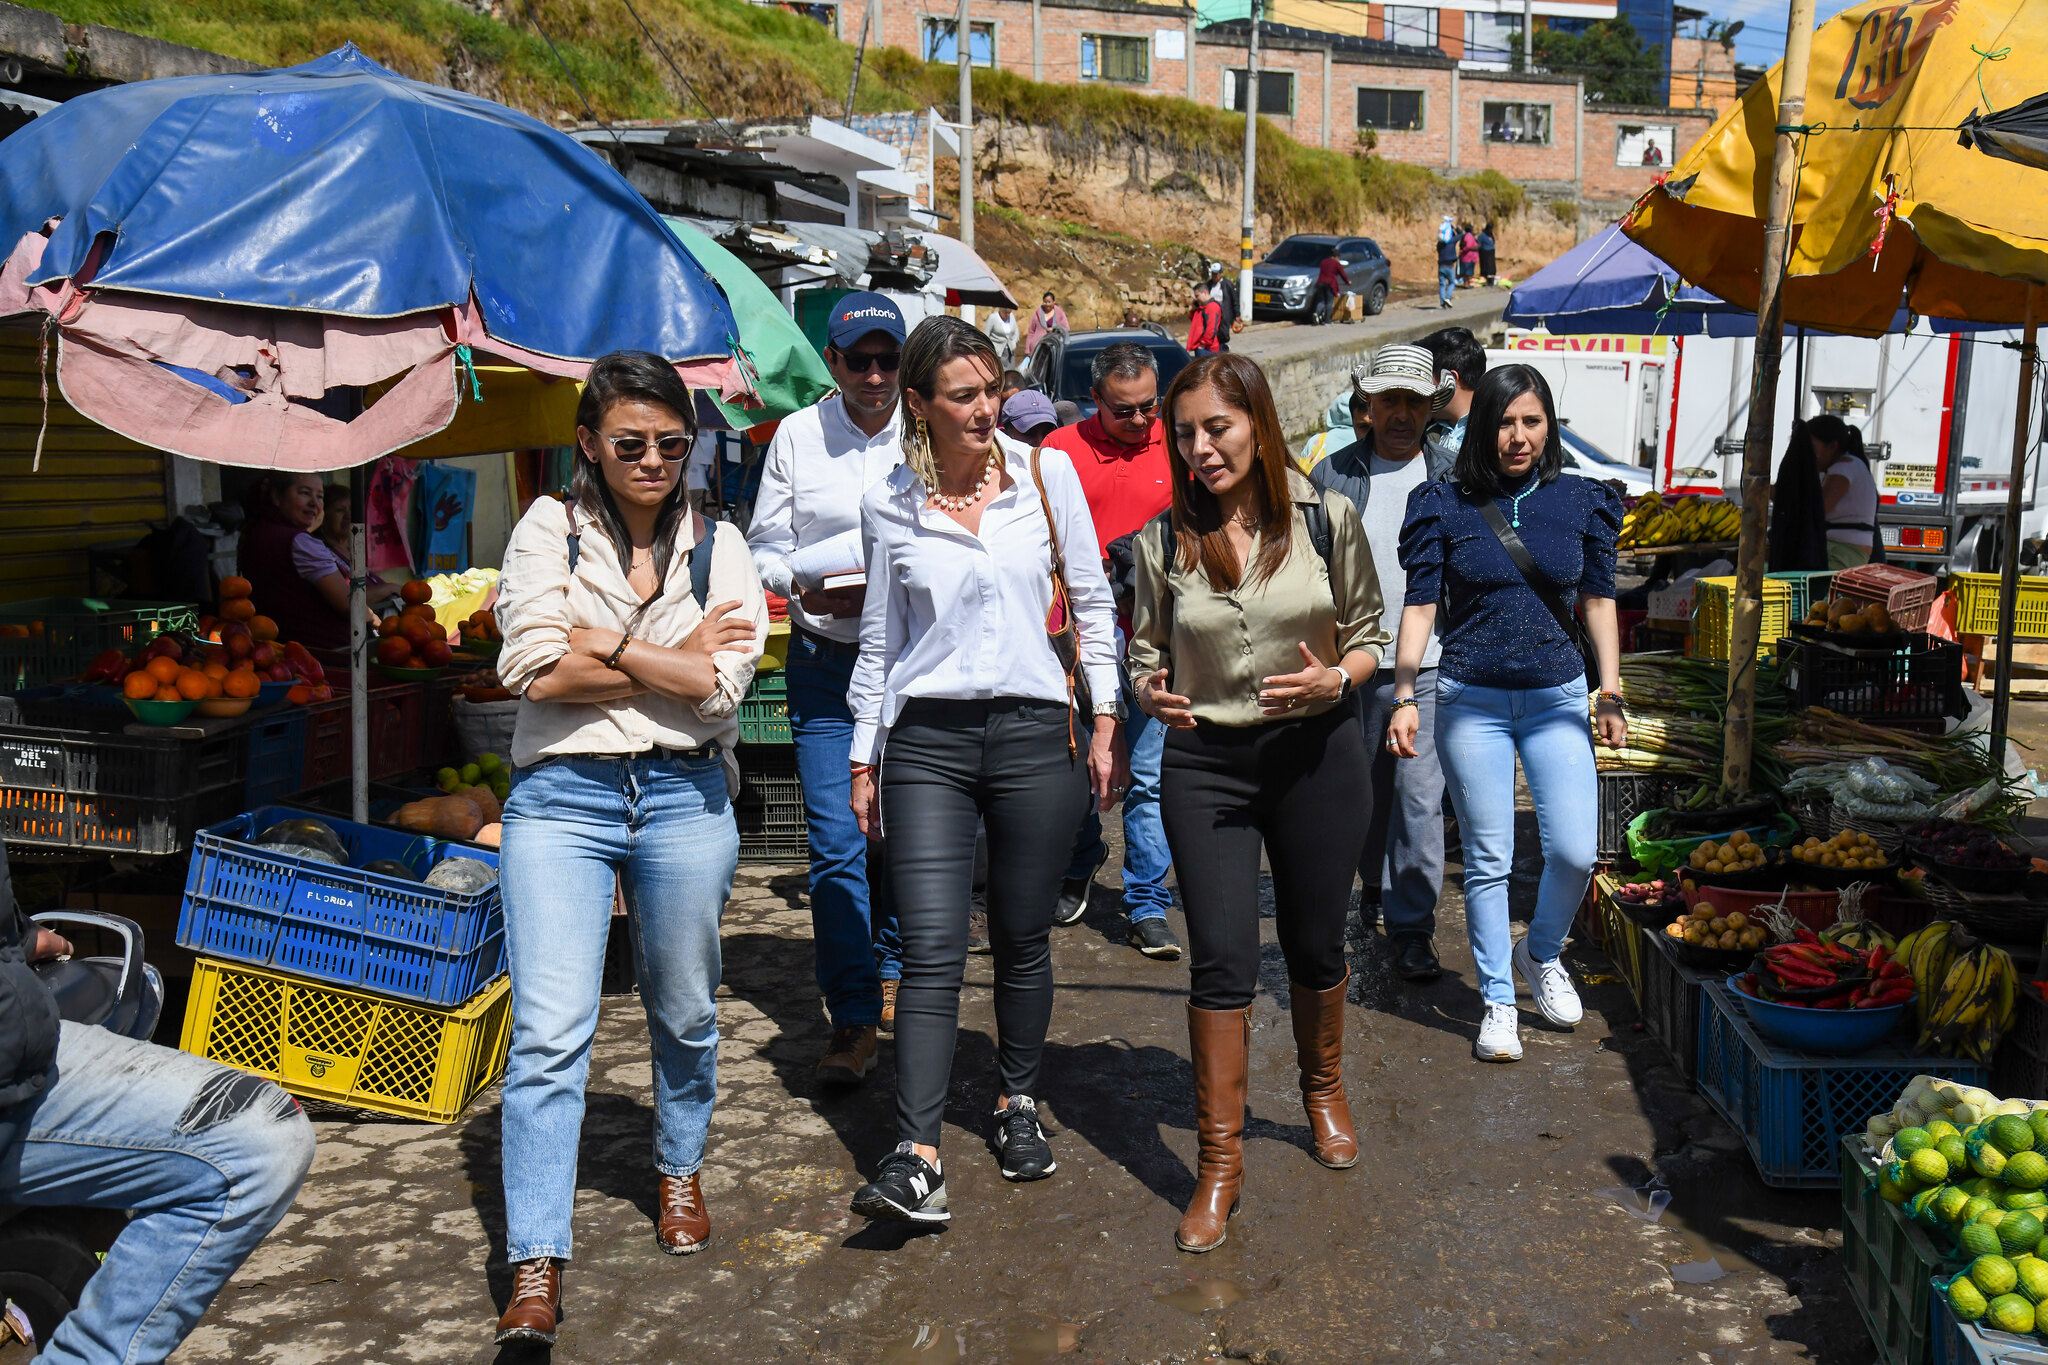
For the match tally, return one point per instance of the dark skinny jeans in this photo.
(948, 765)
(1300, 788)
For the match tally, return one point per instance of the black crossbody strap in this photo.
(1525, 564)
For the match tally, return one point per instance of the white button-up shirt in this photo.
(961, 616)
(817, 468)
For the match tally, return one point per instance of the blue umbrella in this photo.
(341, 188)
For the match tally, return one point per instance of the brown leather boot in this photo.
(888, 1024)
(1319, 1043)
(536, 1304)
(685, 1225)
(1218, 1041)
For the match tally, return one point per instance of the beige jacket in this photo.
(539, 602)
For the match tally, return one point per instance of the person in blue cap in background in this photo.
(819, 464)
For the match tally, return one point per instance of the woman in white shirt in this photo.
(1848, 492)
(1002, 334)
(958, 669)
(632, 626)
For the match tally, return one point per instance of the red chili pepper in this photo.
(1891, 971)
(1840, 1002)
(1812, 957)
(1802, 980)
(1805, 935)
(1840, 954)
(1877, 957)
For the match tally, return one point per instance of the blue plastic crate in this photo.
(277, 757)
(1965, 1343)
(341, 924)
(1792, 1109)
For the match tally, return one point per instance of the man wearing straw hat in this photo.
(1403, 865)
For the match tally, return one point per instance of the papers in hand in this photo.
(816, 566)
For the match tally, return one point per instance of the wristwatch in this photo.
(1343, 683)
(1110, 708)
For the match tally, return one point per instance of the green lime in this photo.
(2020, 1231)
(2011, 1134)
(489, 763)
(2033, 1273)
(1977, 1240)
(2038, 1121)
(1941, 1128)
(1987, 1160)
(1994, 1275)
(1907, 1141)
(1950, 1203)
(447, 779)
(1965, 1300)
(470, 774)
(1923, 1204)
(1953, 1152)
(2028, 1170)
(1891, 1190)
(1928, 1166)
(2011, 1313)
(2022, 1199)
(1978, 1204)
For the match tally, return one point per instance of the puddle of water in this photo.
(1199, 1296)
(928, 1345)
(1043, 1345)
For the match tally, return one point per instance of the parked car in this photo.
(1583, 458)
(1283, 284)
(1059, 367)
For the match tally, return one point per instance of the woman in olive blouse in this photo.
(1257, 612)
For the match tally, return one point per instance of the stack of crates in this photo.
(770, 806)
(1713, 616)
(366, 989)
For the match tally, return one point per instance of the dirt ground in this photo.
(1481, 1224)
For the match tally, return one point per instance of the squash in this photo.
(489, 835)
(486, 802)
(444, 817)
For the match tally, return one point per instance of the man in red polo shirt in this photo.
(1120, 456)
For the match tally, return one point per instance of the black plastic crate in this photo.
(1624, 796)
(68, 789)
(1670, 1001)
(770, 807)
(1917, 685)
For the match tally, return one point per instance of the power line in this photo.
(588, 108)
(690, 89)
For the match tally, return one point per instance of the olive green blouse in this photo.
(1219, 647)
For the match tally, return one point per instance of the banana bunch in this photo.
(1968, 998)
(1690, 520)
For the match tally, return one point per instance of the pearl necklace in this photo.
(973, 495)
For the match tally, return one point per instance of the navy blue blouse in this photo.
(1496, 630)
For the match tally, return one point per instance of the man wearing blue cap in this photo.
(819, 464)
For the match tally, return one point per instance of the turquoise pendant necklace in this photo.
(1515, 504)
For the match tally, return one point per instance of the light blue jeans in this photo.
(207, 1158)
(1446, 283)
(572, 826)
(1479, 731)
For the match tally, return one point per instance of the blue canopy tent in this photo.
(301, 269)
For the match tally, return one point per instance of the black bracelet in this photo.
(619, 653)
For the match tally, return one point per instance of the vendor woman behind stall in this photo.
(296, 579)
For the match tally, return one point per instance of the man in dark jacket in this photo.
(1224, 292)
(1403, 865)
(208, 1159)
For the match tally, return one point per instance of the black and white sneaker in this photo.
(908, 1189)
(1151, 937)
(1021, 1149)
(1073, 902)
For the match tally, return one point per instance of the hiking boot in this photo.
(536, 1306)
(684, 1226)
(977, 932)
(850, 1057)
(888, 1024)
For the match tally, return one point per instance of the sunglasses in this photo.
(1124, 412)
(861, 364)
(633, 449)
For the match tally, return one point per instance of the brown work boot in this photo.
(1218, 1041)
(1319, 1044)
(850, 1057)
(684, 1226)
(888, 1024)
(536, 1304)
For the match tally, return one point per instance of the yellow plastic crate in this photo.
(1713, 601)
(349, 1047)
(1977, 606)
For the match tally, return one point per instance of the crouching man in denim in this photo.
(206, 1159)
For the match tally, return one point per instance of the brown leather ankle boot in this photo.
(684, 1226)
(1319, 1044)
(1217, 1042)
(536, 1305)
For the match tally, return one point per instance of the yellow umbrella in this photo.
(1963, 234)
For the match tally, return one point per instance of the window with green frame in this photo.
(1116, 57)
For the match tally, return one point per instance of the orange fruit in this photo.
(170, 694)
(238, 609)
(263, 628)
(416, 591)
(35, 629)
(231, 588)
(216, 687)
(215, 669)
(138, 686)
(165, 671)
(243, 682)
(191, 684)
(299, 695)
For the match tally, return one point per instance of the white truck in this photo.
(1936, 412)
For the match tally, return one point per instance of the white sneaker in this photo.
(1551, 984)
(1500, 1038)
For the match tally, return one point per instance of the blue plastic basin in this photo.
(1825, 1033)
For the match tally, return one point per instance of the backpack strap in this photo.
(1317, 517)
(700, 561)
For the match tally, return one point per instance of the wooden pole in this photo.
(1747, 622)
(2009, 544)
(860, 52)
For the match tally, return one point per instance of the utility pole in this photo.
(1528, 35)
(1251, 161)
(2009, 542)
(1740, 733)
(867, 17)
(963, 39)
